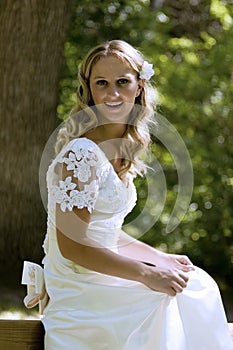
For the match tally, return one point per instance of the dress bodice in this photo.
(101, 191)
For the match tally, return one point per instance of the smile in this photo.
(113, 104)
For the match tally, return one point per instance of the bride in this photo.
(107, 290)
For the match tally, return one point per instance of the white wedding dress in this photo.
(92, 311)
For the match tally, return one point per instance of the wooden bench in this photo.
(21, 335)
(28, 334)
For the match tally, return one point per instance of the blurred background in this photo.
(190, 44)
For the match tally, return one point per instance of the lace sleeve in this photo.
(79, 187)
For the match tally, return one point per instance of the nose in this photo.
(113, 91)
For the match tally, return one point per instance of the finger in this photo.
(171, 292)
(177, 287)
(183, 260)
(181, 275)
(186, 261)
(185, 268)
(182, 283)
(184, 277)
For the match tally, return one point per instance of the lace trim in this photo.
(80, 162)
(68, 198)
(115, 193)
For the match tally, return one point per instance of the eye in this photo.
(122, 81)
(101, 82)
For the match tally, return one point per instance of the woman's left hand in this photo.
(180, 262)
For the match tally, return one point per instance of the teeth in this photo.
(113, 104)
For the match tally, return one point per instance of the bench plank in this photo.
(21, 335)
(28, 334)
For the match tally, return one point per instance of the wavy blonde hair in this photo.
(82, 117)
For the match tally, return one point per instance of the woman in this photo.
(106, 289)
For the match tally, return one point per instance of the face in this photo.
(114, 87)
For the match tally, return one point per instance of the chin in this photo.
(115, 114)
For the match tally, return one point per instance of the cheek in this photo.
(134, 91)
(95, 95)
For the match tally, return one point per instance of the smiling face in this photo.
(114, 87)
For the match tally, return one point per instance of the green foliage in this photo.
(93, 23)
(194, 78)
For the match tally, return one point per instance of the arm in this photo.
(131, 247)
(91, 255)
(135, 249)
(75, 245)
(75, 197)
(100, 259)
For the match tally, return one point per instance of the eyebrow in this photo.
(120, 76)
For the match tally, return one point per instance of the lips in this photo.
(113, 104)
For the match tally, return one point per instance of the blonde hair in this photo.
(82, 117)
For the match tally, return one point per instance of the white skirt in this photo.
(99, 312)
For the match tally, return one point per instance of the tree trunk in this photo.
(32, 35)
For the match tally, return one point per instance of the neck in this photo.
(112, 131)
(107, 132)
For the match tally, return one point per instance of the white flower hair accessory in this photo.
(146, 71)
